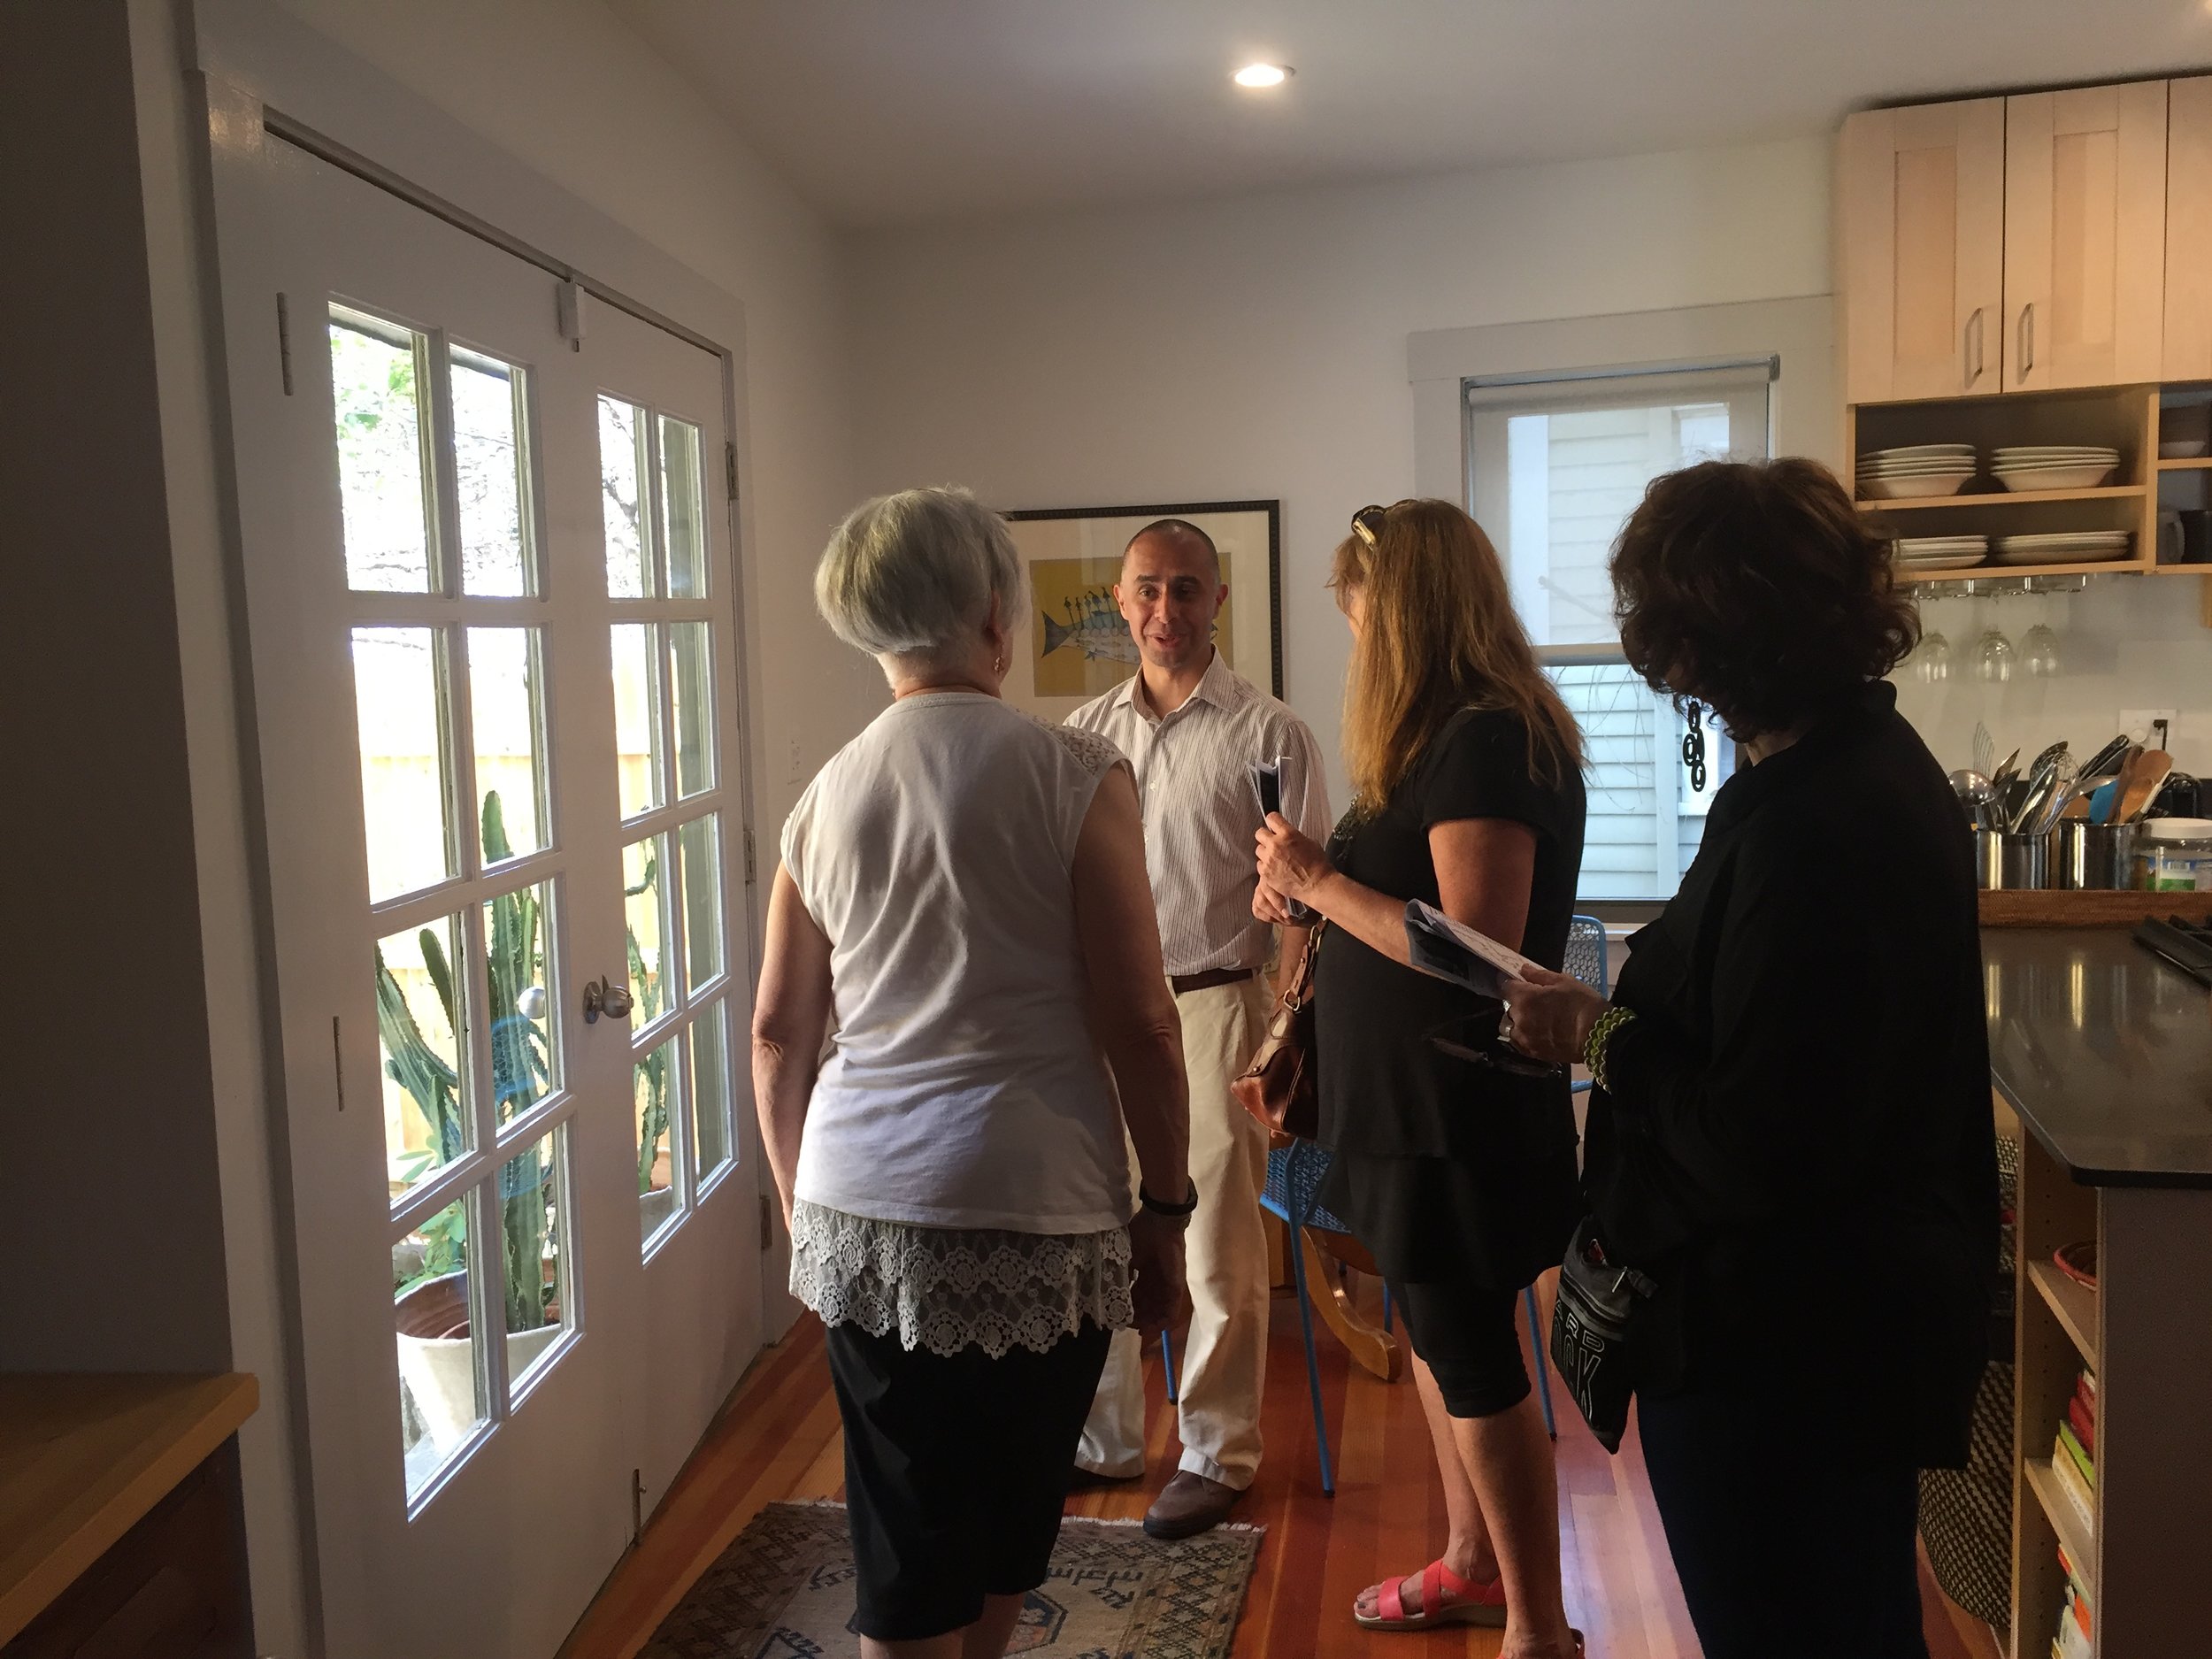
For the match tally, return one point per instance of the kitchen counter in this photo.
(2104, 1051)
(84, 1458)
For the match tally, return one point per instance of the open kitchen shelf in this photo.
(2005, 498)
(2073, 1536)
(1986, 570)
(2192, 463)
(2074, 1304)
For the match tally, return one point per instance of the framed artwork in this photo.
(1072, 642)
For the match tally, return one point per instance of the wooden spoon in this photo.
(2141, 783)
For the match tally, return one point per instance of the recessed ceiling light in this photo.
(1264, 74)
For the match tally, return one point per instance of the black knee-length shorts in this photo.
(1467, 1335)
(955, 1471)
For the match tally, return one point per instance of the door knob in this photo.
(603, 996)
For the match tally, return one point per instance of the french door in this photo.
(489, 585)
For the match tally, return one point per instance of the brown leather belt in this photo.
(1185, 983)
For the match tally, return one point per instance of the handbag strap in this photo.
(1300, 991)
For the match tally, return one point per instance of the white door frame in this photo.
(262, 68)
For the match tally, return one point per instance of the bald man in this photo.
(1192, 727)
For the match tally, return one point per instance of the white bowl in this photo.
(1920, 452)
(1913, 487)
(2083, 477)
(1949, 562)
(2183, 449)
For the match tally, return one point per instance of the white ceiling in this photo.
(899, 112)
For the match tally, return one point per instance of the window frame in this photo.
(1794, 336)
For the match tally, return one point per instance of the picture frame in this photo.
(1071, 643)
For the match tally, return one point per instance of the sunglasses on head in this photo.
(1367, 523)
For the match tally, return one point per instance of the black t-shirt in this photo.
(1385, 1087)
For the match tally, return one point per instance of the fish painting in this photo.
(1094, 626)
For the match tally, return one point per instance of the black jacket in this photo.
(1796, 1141)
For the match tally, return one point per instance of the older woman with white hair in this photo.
(962, 911)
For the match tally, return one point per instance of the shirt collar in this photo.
(1220, 685)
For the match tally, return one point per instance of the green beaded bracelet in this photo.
(1601, 1033)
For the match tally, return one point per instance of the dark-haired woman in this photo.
(1791, 1130)
(1458, 1177)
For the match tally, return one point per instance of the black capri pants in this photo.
(956, 1469)
(1466, 1335)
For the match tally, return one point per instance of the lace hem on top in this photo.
(942, 1288)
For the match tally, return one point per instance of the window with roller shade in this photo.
(1554, 466)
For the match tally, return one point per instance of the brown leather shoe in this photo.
(1188, 1505)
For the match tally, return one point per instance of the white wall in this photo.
(1257, 347)
(564, 87)
(2126, 643)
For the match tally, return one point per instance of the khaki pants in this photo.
(1222, 1361)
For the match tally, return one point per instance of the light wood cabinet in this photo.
(2085, 238)
(1923, 199)
(2188, 343)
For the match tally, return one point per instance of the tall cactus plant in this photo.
(522, 1073)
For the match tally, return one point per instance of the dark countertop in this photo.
(2104, 1051)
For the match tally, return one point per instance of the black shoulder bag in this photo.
(1591, 1329)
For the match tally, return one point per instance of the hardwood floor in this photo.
(779, 1438)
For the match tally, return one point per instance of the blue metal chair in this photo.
(1294, 1179)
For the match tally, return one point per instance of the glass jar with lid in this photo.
(2174, 855)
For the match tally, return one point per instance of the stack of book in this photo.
(2074, 1453)
(2074, 1468)
(2072, 1640)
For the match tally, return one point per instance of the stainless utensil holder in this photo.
(2011, 862)
(2094, 855)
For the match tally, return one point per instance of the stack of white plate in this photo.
(2054, 466)
(1940, 552)
(1919, 469)
(2063, 547)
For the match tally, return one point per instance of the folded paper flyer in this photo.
(1447, 949)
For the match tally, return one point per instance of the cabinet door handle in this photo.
(1970, 345)
(2027, 339)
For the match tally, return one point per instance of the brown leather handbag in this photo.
(1279, 1086)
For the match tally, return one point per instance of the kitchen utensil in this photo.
(2042, 781)
(2076, 808)
(2048, 757)
(2145, 777)
(2101, 800)
(1985, 750)
(2007, 772)
(1975, 794)
(2087, 856)
(2045, 817)
(2103, 763)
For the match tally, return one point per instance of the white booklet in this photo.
(1447, 949)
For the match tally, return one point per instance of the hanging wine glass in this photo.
(1994, 657)
(1932, 661)
(2038, 651)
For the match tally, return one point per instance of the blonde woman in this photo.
(1455, 1162)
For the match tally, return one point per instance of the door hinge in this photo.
(767, 1224)
(637, 1507)
(752, 867)
(729, 466)
(284, 340)
(338, 1062)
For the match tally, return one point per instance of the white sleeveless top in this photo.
(963, 1088)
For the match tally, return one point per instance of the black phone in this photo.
(1267, 783)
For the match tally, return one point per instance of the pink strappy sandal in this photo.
(1472, 1602)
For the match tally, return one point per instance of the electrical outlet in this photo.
(2137, 723)
(796, 771)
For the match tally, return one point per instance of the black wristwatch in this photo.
(1170, 1212)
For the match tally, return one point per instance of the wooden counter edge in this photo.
(119, 1497)
(2122, 908)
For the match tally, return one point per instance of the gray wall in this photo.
(110, 1220)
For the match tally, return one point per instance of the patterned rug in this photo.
(784, 1590)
